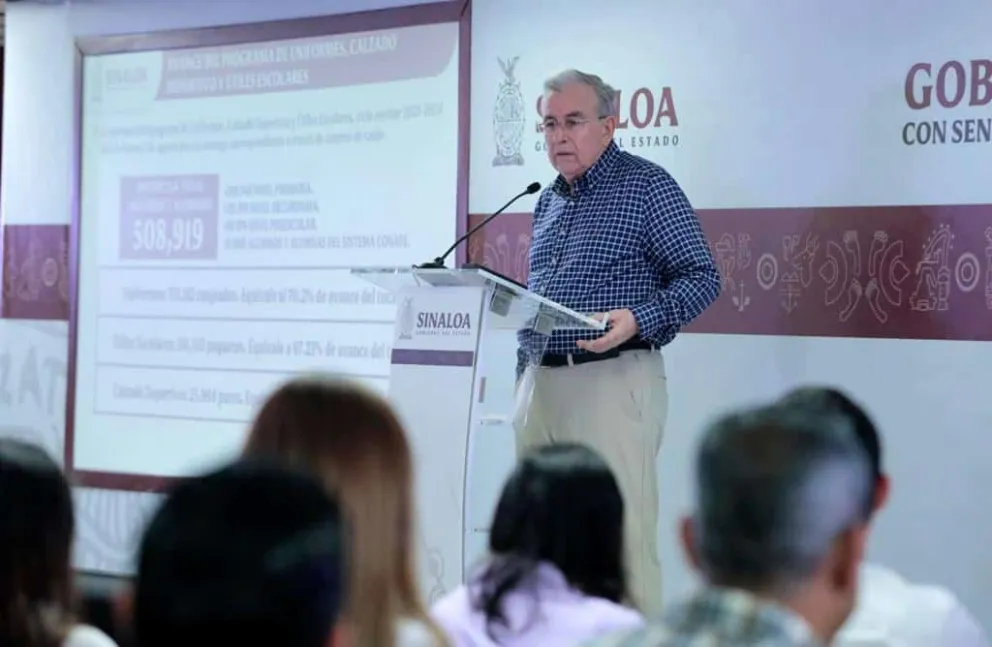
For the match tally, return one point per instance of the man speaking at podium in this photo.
(613, 235)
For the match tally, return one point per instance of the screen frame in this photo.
(446, 11)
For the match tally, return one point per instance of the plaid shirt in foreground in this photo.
(719, 618)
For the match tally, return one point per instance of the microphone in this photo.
(438, 263)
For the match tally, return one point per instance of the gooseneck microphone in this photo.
(438, 262)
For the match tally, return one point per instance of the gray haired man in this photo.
(778, 533)
(614, 236)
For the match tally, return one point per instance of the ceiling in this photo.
(307, 6)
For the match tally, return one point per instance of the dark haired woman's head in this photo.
(36, 529)
(561, 507)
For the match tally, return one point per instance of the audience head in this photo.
(352, 440)
(829, 400)
(36, 530)
(783, 499)
(252, 552)
(560, 507)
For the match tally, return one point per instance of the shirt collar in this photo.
(551, 577)
(545, 576)
(741, 618)
(599, 170)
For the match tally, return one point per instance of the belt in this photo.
(574, 359)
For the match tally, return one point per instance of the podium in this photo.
(452, 381)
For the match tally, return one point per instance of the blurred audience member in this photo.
(353, 441)
(251, 554)
(889, 608)
(556, 574)
(778, 531)
(36, 533)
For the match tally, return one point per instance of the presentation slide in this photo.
(226, 193)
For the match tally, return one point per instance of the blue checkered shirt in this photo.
(719, 617)
(624, 237)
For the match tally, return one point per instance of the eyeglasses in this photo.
(571, 124)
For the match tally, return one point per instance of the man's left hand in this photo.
(622, 327)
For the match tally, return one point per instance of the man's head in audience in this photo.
(251, 554)
(829, 400)
(783, 498)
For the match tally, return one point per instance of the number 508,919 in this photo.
(160, 237)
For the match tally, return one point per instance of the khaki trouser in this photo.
(618, 407)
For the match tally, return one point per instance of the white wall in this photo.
(791, 105)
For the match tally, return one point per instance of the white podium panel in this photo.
(452, 376)
(431, 385)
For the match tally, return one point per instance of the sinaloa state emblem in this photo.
(406, 319)
(508, 117)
